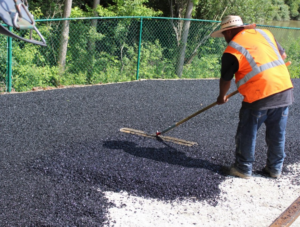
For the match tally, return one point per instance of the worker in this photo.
(256, 60)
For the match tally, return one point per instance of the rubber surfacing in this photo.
(59, 147)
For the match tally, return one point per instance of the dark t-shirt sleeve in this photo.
(230, 66)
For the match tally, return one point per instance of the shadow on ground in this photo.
(163, 172)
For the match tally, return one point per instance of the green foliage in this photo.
(253, 11)
(294, 8)
(282, 12)
(114, 56)
(104, 12)
(292, 48)
(77, 12)
(25, 77)
(37, 13)
(48, 9)
(249, 10)
(3, 63)
(153, 63)
(128, 8)
(109, 69)
(207, 66)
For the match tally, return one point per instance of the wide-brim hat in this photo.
(228, 22)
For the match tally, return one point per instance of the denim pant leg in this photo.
(275, 138)
(249, 123)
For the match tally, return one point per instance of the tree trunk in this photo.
(183, 43)
(64, 36)
(95, 5)
(91, 43)
(203, 40)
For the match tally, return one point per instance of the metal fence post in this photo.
(139, 54)
(9, 63)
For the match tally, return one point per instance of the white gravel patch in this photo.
(243, 202)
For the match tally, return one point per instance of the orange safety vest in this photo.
(262, 71)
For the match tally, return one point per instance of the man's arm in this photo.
(229, 67)
(224, 87)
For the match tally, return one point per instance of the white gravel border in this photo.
(244, 203)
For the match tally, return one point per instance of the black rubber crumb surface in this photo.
(61, 149)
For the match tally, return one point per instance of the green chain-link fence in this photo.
(3, 63)
(102, 50)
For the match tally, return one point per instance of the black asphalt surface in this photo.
(61, 149)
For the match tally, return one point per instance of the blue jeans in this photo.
(250, 121)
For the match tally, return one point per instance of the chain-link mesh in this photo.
(103, 50)
(3, 63)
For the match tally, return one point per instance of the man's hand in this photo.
(222, 99)
(224, 87)
(283, 56)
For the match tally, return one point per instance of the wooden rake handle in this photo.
(192, 115)
(200, 111)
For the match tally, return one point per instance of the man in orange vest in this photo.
(256, 60)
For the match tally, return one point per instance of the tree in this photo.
(186, 8)
(49, 9)
(91, 42)
(185, 33)
(64, 35)
(294, 8)
(250, 11)
(128, 8)
(253, 11)
(282, 13)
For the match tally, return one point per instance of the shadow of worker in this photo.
(166, 154)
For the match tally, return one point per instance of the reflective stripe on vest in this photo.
(255, 68)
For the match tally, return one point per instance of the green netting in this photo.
(103, 50)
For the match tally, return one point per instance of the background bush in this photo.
(109, 53)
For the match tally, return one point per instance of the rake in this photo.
(159, 134)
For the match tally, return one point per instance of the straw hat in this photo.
(228, 22)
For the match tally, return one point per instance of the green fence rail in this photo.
(103, 50)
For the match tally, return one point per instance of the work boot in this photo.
(267, 171)
(234, 172)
